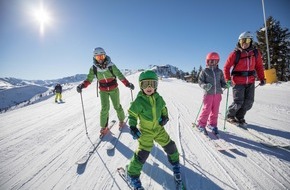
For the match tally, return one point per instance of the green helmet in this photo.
(148, 74)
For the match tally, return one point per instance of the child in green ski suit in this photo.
(106, 73)
(149, 107)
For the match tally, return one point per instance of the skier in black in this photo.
(58, 90)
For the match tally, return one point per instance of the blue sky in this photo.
(134, 33)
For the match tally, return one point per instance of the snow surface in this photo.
(40, 143)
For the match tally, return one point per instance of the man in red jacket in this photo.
(242, 77)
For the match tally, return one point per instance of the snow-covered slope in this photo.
(40, 143)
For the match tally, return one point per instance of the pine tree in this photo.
(199, 71)
(279, 47)
(194, 75)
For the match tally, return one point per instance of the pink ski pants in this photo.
(210, 110)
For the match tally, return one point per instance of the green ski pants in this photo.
(114, 95)
(145, 145)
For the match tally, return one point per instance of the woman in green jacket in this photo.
(106, 73)
(150, 108)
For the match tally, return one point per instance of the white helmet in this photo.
(246, 35)
(99, 51)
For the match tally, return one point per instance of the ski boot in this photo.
(242, 123)
(202, 129)
(214, 129)
(121, 125)
(134, 181)
(176, 173)
(232, 119)
(104, 131)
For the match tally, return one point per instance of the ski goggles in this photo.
(245, 40)
(212, 61)
(100, 57)
(146, 83)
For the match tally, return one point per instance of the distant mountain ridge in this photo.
(10, 82)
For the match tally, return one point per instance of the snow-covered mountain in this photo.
(10, 82)
(15, 93)
(40, 143)
(168, 71)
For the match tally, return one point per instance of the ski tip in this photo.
(120, 169)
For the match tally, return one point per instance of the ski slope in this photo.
(41, 143)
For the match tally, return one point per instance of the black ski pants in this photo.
(243, 96)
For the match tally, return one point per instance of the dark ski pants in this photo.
(243, 96)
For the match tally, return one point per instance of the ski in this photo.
(179, 185)
(221, 141)
(260, 138)
(122, 172)
(242, 126)
(207, 138)
(114, 141)
(84, 159)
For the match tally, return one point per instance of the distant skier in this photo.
(106, 73)
(243, 76)
(58, 90)
(211, 79)
(150, 108)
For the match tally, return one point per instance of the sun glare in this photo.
(43, 18)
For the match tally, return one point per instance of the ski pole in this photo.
(84, 113)
(198, 112)
(226, 112)
(132, 95)
(85, 118)
(97, 89)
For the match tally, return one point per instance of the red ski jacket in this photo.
(246, 69)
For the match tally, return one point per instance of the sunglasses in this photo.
(100, 57)
(146, 83)
(245, 40)
(212, 61)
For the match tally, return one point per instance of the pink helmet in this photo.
(212, 55)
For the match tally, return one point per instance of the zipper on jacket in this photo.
(153, 104)
(248, 65)
(214, 80)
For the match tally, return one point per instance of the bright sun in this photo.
(43, 18)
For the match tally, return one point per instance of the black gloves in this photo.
(262, 82)
(135, 132)
(163, 120)
(80, 87)
(131, 86)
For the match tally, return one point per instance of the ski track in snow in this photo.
(40, 144)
